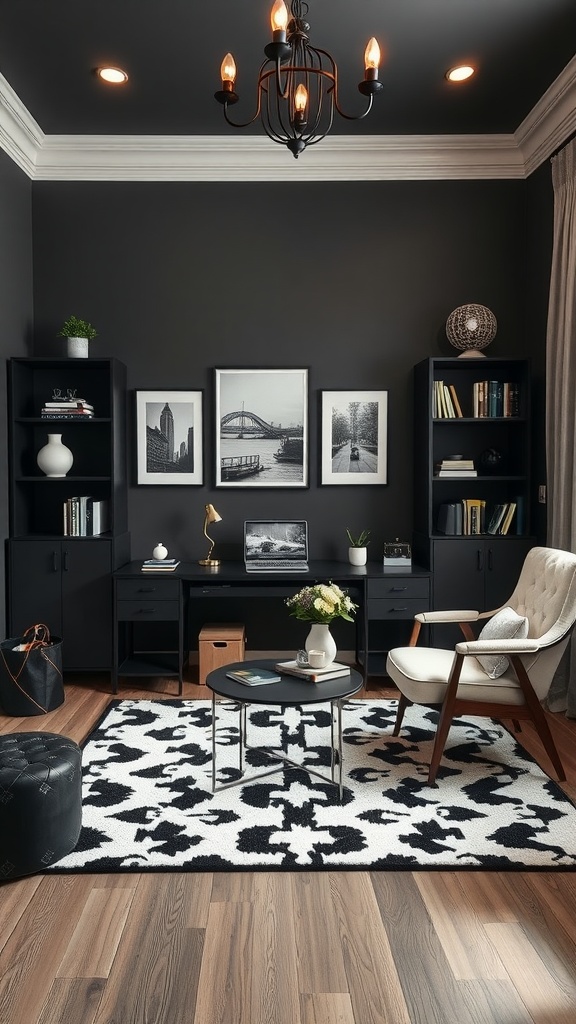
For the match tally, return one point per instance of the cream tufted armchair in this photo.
(514, 675)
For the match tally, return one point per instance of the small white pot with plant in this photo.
(358, 550)
(78, 334)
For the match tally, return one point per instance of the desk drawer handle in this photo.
(398, 609)
(146, 590)
(398, 590)
(146, 611)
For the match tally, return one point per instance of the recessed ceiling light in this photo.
(114, 76)
(460, 74)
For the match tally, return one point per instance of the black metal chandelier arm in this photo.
(242, 124)
(352, 117)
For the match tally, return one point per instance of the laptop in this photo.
(272, 545)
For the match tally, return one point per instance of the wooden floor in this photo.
(281, 948)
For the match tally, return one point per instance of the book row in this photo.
(490, 398)
(85, 517)
(468, 518)
(67, 409)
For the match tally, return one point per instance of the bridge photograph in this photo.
(262, 428)
(354, 437)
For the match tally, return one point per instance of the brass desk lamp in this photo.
(211, 516)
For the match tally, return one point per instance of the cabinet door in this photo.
(87, 604)
(35, 585)
(504, 560)
(458, 582)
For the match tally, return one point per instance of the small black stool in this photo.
(40, 801)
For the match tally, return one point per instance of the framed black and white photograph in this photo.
(261, 428)
(169, 437)
(354, 437)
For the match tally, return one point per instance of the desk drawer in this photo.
(147, 611)
(400, 608)
(148, 590)
(397, 586)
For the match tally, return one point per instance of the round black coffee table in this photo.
(289, 692)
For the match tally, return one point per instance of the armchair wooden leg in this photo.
(415, 633)
(538, 717)
(403, 703)
(445, 720)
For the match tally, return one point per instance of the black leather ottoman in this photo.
(40, 801)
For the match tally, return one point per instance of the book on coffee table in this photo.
(313, 675)
(251, 677)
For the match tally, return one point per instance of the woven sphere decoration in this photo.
(471, 327)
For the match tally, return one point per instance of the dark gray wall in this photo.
(15, 308)
(353, 280)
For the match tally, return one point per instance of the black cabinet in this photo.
(141, 606)
(392, 601)
(65, 581)
(478, 570)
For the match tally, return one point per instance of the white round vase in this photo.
(77, 348)
(55, 459)
(357, 556)
(160, 552)
(320, 639)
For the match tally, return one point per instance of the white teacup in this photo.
(317, 659)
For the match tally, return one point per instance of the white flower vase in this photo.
(357, 556)
(320, 639)
(77, 348)
(160, 552)
(55, 459)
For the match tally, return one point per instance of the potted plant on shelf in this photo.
(78, 334)
(358, 550)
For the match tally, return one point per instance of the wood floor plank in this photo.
(97, 934)
(546, 990)
(224, 995)
(484, 891)
(326, 1008)
(373, 981)
(154, 976)
(198, 897)
(539, 919)
(320, 961)
(460, 932)
(274, 990)
(14, 898)
(31, 957)
(72, 1001)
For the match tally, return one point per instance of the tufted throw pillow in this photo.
(505, 625)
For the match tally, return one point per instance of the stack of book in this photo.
(85, 517)
(445, 404)
(496, 398)
(456, 468)
(160, 564)
(501, 518)
(67, 409)
(313, 675)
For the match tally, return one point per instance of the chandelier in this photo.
(298, 83)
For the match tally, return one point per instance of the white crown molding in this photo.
(20, 135)
(254, 158)
(550, 122)
(236, 157)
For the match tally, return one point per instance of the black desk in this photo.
(383, 595)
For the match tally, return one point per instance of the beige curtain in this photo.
(561, 395)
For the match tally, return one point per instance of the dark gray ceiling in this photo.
(172, 51)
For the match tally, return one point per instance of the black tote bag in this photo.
(31, 680)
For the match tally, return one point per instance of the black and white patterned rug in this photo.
(148, 803)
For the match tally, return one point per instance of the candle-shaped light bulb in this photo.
(279, 16)
(228, 69)
(372, 55)
(300, 100)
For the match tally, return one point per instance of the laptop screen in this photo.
(266, 539)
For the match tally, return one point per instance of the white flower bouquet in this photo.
(321, 603)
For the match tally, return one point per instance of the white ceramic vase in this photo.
(77, 348)
(160, 552)
(55, 459)
(320, 639)
(357, 556)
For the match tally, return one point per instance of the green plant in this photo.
(321, 603)
(360, 541)
(75, 328)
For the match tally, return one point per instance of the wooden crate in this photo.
(219, 644)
